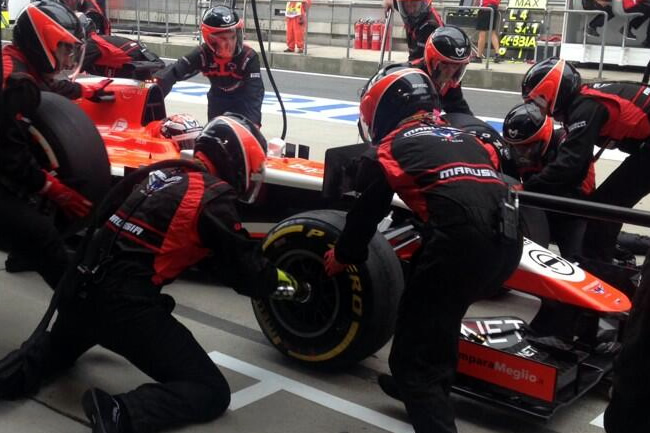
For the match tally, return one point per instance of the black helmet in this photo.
(50, 36)
(87, 24)
(393, 94)
(446, 55)
(233, 148)
(551, 84)
(528, 132)
(413, 11)
(223, 31)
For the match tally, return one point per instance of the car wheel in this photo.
(348, 317)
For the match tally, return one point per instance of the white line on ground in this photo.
(309, 393)
(598, 421)
(249, 395)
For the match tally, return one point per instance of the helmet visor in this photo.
(254, 186)
(412, 10)
(186, 141)
(445, 75)
(225, 43)
(69, 58)
(528, 157)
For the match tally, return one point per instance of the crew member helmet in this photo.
(223, 31)
(393, 94)
(413, 11)
(182, 129)
(87, 24)
(50, 36)
(446, 55)
(551, 84)
(528, 132)
(233, 148)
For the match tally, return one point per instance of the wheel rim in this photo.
(316, 316)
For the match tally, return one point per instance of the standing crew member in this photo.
(483, 27)
(452, 185)
(172, 221)
(48, 41)
(296, 21)
(233, 68)
(608, 114)
(420, 20)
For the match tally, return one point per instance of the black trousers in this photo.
(32, 235)
(625, 187)
(457, 266)
(589, 5)
(637, 22)
(628, 410)
(135, 321)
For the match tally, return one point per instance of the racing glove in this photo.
(70, 201)
(95, 91)
(332, 266)
(290, 289)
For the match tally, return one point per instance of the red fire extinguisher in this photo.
(365, 36)
(376, 31)
(358, 30)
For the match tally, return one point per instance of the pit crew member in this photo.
(606, 114)
(48, 43)
(116, 56)
(171, 221)
(93, 11)
(534, 144)
(24, 230)
(232, 67)
(420, 20)
(452, 185)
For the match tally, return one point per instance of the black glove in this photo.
(21, 95)
(95, 91)
(290, 289)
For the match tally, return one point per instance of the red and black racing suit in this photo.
(417, 35)
(450, 182)
(26, 232)
(452, 99)
(610, 113)
(116, 56)
(235, 84)
(15, 62)
(171, 222)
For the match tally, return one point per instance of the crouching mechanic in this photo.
(607, 114)
(450, 182)
(233, 68)
(24, 230)
(170, 222)
(48, 44)
(537, 150)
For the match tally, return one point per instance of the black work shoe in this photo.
(592, 31)
(288, 50)
(476, 60)
(16, 263)
(103, 411)
(388, 385)
(629, 34)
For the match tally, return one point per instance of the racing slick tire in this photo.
(75, 143)
(346, 318)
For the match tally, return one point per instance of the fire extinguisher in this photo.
(358, 30)
(365, 35)
(375, 31)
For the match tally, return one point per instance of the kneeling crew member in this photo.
(172, 221)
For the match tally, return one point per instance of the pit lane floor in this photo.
(270, 393)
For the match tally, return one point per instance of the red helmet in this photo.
(551, 84)
(182, 129)
(233, 148)
(50, 36)
(223, 31)
(446, 55)
(528, 132)
(393, 94)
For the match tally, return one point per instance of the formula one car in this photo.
(566, 349)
